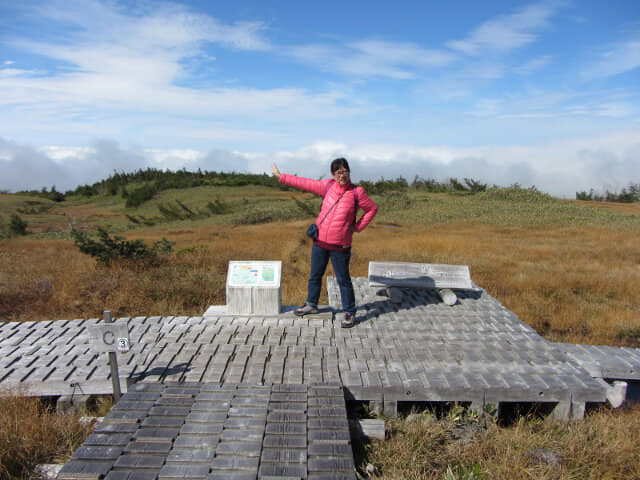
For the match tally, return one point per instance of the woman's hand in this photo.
(274, 171)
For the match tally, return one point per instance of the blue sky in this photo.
(539, 93)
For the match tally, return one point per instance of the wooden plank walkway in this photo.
(414, 350)
(417, 350)
(208, 431)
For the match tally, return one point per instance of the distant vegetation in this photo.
(142, 185)
(626, 195)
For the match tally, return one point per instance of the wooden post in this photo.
(113, 364)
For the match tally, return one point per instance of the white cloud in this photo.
(620, 58)
(369, 58)
(558, 105)
(616, 110)
(533, 65)
(125, 71)
(506, 32)
(560, 168)
(16, 72)
(147, 27)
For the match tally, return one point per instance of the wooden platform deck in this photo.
(415, 350)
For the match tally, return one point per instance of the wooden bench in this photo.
(442, 278)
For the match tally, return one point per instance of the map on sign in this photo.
(253, 274)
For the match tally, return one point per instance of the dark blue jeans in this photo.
(340, 261)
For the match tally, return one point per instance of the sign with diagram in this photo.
(254, 274)
(253, 287)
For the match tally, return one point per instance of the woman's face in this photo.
(341, 176)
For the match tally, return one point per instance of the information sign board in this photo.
(259, 274)
(253, 287)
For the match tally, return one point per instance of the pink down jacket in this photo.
(334, 229)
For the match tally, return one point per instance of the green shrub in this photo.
(515, 193)
(109, 248)
(140, 195)
(393, 201)
(218, 207)
(17, 226)
(307, 207)
(627, 195)
(170, 211)
(256, 216)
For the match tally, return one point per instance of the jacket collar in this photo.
(342, 188)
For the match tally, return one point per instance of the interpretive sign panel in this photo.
(253, 287)
(419, 275)
(246, 274)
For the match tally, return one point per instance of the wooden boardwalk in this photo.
(210, 431)
(180, 372)
(417, 350)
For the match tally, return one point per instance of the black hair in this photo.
(339, 163)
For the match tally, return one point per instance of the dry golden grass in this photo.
(605, 446)
(32, 433)
(571, 284)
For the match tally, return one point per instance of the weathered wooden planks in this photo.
(416, 350)
(209, 430)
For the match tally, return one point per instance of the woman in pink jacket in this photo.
(336, 225)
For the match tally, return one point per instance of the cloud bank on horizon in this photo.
(540, 93)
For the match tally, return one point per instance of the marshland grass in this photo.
(572, 284)
(31, 432)
(605, 446)
(569, 269)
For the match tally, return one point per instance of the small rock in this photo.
(370, 469)
(467, 432)
(541, 456)
(90, 421)
(48, 471)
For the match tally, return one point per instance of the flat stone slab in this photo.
(257, 432)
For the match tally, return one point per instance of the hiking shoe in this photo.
(305, 310)
(347, 321)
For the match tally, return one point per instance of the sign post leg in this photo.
(113, 364)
